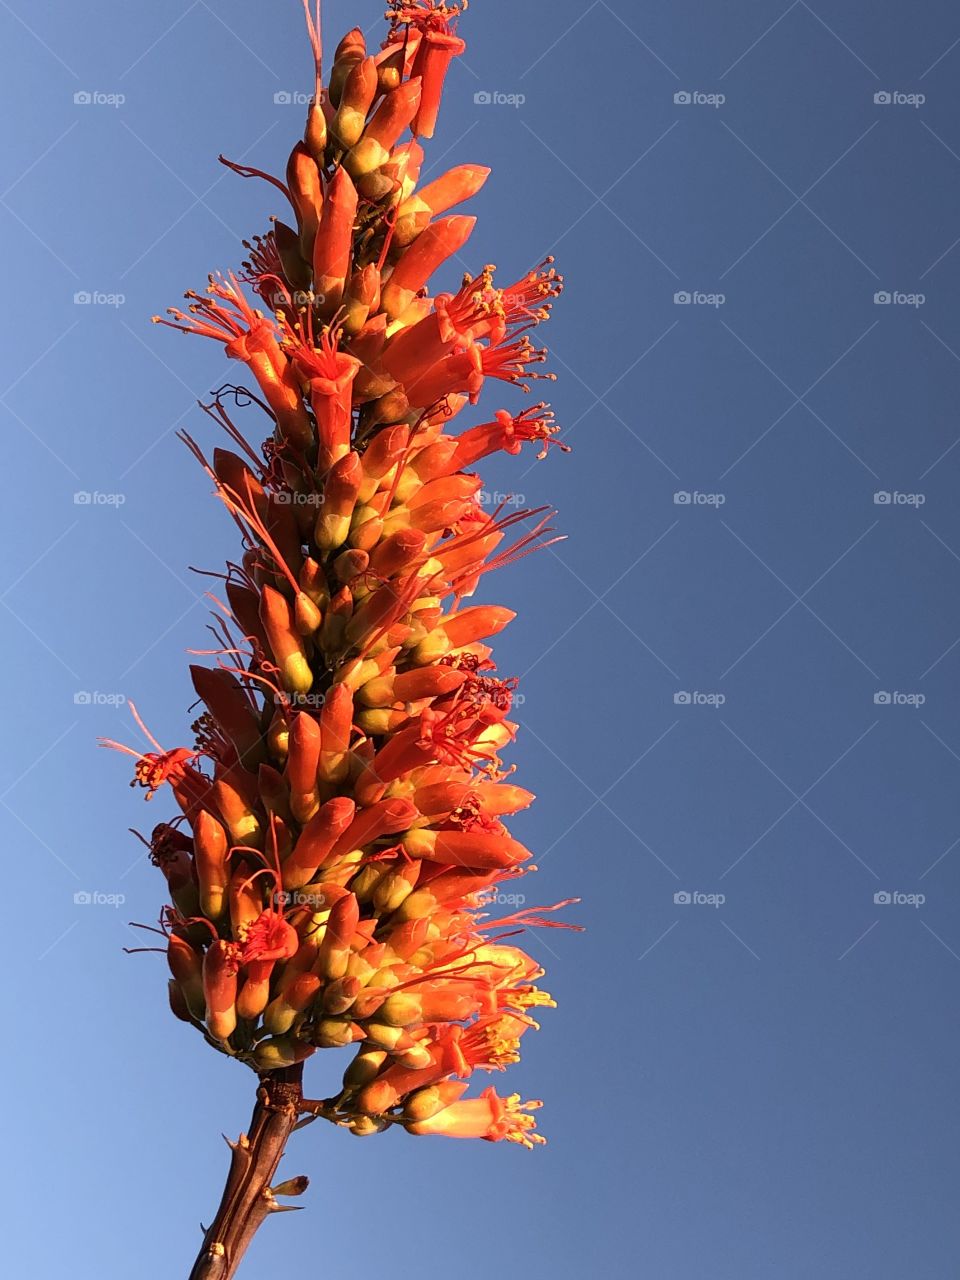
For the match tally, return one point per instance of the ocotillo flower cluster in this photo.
(341, 847)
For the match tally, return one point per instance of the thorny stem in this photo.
(247, 1197)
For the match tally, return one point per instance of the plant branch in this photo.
(248, 1197)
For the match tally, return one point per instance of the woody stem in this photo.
(247, 1198)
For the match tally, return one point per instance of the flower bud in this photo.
(431, 248)
(235, 801)
(400, 1009)
(455, 186)
(363, 1126)
(364, 1067)
(277, 1052)
(334, 1033)
(286, 645)
(350, 564)
(315, 133)
(476, 623)
(335, 948)
(380, 457)
(356, 99)
(220, 988)
(386, 1037)
(330, 639)
(340, 496)
(274, 792)
(316, 840)
(333, 244)
(395, 888)
(426, 1103)
(178, 1002)
(338, 996)
(284, 1009)
(336, 720)
(210, 855)
(301, 770)
(303, 182)
(350, 51)
(381, 720)
(367, 529)
(390, 69)
(362, 297)
(389, 121)
(186, 965)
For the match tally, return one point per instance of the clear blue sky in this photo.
(761, 1088)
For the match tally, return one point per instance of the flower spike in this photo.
(337, 855)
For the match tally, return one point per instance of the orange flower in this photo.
(491, 1117)
(336, 872)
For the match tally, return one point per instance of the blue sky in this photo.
(739, 672)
